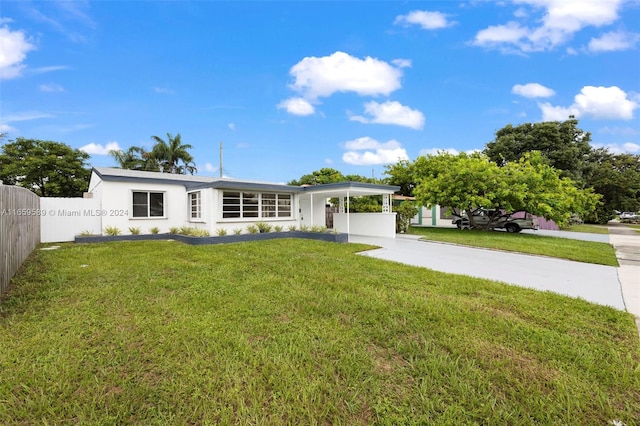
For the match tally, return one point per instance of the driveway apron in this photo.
(594, 283)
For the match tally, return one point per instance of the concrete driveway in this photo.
(595, 283)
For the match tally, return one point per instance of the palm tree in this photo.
(135, 158)
(169, 154)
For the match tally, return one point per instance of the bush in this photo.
(174, 230)
(252, 229)
(221, 232)
(404, 212)
(134, 230)
(263, 227)
(318, 228)
(292, 228)
(111, 230)
(237, 231)
(155, 230)
(277, 228)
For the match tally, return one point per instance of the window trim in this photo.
(277, 203)
(148, 204)
(198, 206)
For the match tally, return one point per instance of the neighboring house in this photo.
(129, 198)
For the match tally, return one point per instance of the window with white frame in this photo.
(236, 204)
(195, 205)
(148, 204)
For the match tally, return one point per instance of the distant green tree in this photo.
(172, 155)
(50, 169)
(402, 174)
(562, 144)
(617, 178)
(318, 177)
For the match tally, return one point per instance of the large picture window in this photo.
(255, 205)
(148, 204)
(195, 205)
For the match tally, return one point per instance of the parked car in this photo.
(629, 217)
(498, 220)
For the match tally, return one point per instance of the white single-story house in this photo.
(145, 200)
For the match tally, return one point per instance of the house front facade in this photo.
(146, 200)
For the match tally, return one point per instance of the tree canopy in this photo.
(170, 156)
(50, 169)
(468, 182)
(563, 144)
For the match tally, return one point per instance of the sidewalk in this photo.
(626, 242)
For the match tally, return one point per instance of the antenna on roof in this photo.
(220, 158)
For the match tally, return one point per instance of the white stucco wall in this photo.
(64, 218)
(117, 205)
(369, 224)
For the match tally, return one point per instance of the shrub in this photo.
(404, 212)
(221, 232)
(200, 233)
(292, 228)
(252, 229)
(318, 228)
(237, 231)
(134, 230)
(155, 230)
(277, 228)
(304, 228)
(185, 230)
(174, 230)
(85, 233)
(263, 227)
(111, 230)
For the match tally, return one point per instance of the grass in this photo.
(592, 229)
(563, 248)
(299, 332)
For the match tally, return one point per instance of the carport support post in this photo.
(311, 209)
(348, 224)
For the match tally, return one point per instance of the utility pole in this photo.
(220, 158)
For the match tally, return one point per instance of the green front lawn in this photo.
(563, 248)
(299, 332)
(591, 229)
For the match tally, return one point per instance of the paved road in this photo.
(595, 283)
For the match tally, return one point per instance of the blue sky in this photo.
(291, 87)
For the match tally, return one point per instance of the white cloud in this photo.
(600, 103)
(368, 151)
(231, 126)
(97, 149)
(297, 106)
(14, 47)
(629, 147)
(391, 112)
(5, 128)
(532, 90)
(210, 168)
(561, 19)
(340, 72)
(26, 116)
(614, 41)
(164, 91)
(427, 20)
(51, 88)
(619, 131)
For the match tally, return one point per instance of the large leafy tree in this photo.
(617, 178)
(172, 155)
(50, 169)
(469, 182)
(562, 144)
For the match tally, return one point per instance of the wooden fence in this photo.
(19, 229)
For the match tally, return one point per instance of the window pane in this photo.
(194, 198)
(140, 206)
(139, 211)
(156, 204)
(284, 205)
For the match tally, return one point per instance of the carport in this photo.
(313, 200)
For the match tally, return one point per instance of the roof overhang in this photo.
(351, 189)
